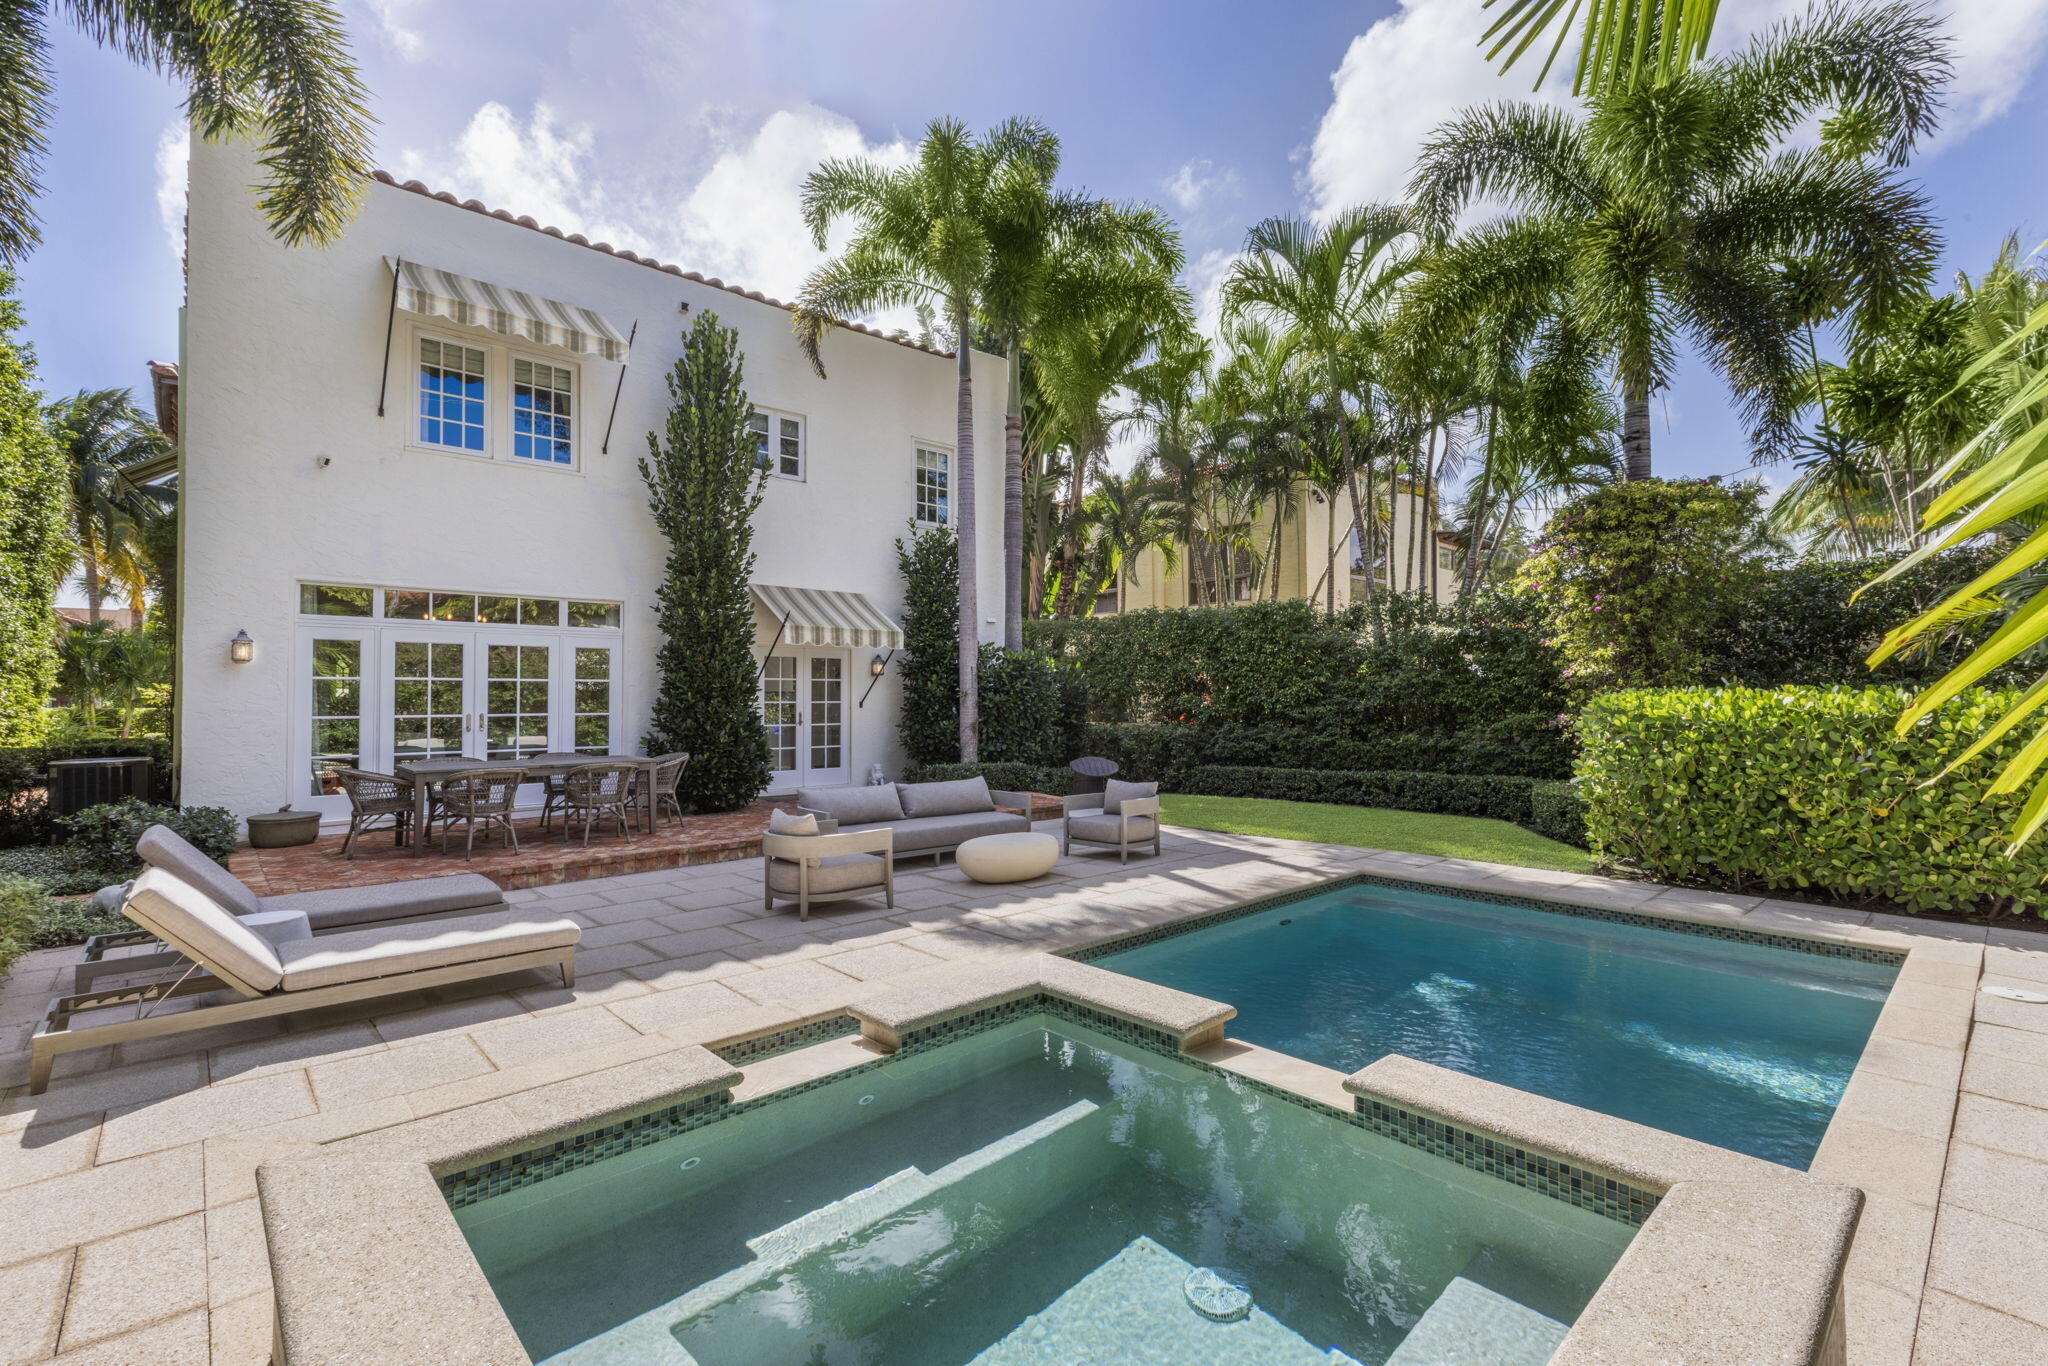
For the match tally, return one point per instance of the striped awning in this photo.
(477, 303)
(821, 616)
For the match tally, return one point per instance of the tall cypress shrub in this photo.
(930, 721)
(704, 481)
(34, 539)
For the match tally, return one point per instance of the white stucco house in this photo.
(398, 485)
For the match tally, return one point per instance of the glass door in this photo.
(334, 728)
(429, 715)
(825, 723)
(594, 700)
(779, 719)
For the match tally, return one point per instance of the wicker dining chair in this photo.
(658, 793)
(374, 798)
(480, 796)
(551, 784)
(596, 790)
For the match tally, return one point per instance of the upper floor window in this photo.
(934, 471)
(779, 441)
(541, 415)
(451, 395)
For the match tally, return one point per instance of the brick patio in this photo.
(129, 1229)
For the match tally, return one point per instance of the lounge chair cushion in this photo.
(957, 798)
(195, 924)
(943, 832)
(837, 873)
(1102, 829)
(853, 805)
(163, 847)
(356, 955)
(782, 822)
(339, 906)
(1115, 791)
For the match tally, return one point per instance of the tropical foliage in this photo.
(703, 484)
(1622, 43)
(33, 538)
(281, 72)
(104, 438)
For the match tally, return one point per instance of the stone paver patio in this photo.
(129, 1231)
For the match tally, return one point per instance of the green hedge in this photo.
(22, 903)
(1556, 810)
(1525, 746)
(1444, 794)
(1807, 788)
(24, 813)
(99, 844)
(1005, 777)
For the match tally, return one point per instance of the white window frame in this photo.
(776, 417)
(919, 449)
(413, 434)
(575, 374)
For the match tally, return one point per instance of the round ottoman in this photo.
(1007, 858)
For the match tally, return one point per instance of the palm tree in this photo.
(1621, 43)
(1673, 210)
(104, 436)
(1128, 518)
(1336, 285)
(931, 234)
(281, 71)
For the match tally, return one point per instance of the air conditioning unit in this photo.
(76, 784)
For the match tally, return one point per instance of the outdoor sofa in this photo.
(337, 908)
(272, 964)
(923, 818)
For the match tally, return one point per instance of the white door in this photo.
(803, 711)
(336, 715)
(430, 711)
(590, 703)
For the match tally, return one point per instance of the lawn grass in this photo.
(1408, 832)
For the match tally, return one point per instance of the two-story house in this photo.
(413, 521)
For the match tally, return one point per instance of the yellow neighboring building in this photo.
(1312, 525)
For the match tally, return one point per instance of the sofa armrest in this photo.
(1020, 800)
(799, 848)
(1139, 806)
(1080, 802)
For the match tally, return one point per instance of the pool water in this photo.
(1037, 1194)
(1748, 1046)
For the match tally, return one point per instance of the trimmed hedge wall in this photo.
(1556, 810)
(1513, 746)
(1006, 777)
(1807, 788)
(1445, 794)
(24, 814)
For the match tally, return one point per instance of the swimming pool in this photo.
(1034, 1194)
(1745, 1045)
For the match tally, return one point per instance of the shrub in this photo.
(1024, 701)
(22, 903)
(929, 722)
(1807, 788)
(1556, 811)
(1512, 746)
(704, 483)
(73, 920)
(35, 538)
(1637, 578)
(1447, 794)
(24, 807)
(100, 848)
(1006, 777)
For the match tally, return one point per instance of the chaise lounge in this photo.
(337, 908)
(274, 965)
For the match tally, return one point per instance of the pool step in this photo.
(1469, 1325)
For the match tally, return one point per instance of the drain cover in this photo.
(1218, 1295)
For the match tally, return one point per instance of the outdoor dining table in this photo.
(426, 775)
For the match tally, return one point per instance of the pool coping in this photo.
(339, 1219)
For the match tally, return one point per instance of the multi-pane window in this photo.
(778, 443)
(516, 700)
(778, 711)
(541, 419)
(934, 469)
(335, 600)
(451, 395)
(426, 699)
(828, 711)
(593, 700)
(337, 713)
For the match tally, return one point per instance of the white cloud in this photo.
(173, 150)
(1200, 180)
(391, 17)
(1205, 276)
(738, 220)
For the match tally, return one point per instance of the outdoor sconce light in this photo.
(241, 649)
(877, 667)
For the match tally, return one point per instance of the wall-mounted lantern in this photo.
(241, 649)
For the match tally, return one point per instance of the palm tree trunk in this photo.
(1635, 434)
(1358, 520)
(1013, 504)
(970, 603)
(93, 590)
(1476, 522)
(1330, 559)
(1070, 545)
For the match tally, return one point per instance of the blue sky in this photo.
(683, 127)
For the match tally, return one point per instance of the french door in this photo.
(803, 710)
(377, 697)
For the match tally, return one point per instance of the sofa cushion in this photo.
(355, 955)
(853, 805)
(1116, 790)
(957, 798)
(1102, 828)
(943, 832)
(163, 847)
(782, 822)
(837, 873)
(340, 906)
(199, 927)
